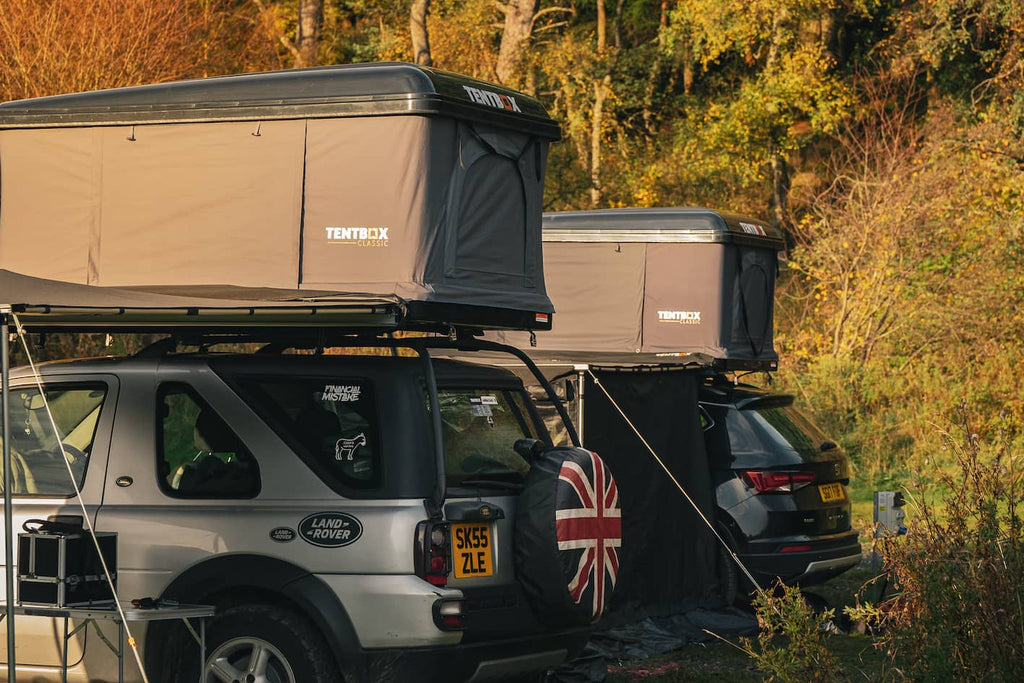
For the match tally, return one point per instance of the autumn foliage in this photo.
(884, 138)
(57, 46)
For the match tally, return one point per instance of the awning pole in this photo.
(440, 489)
(5, 376)
(581, 383)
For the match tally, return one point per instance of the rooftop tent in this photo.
(660, 285)
(317, 188)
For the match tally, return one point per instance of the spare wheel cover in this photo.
(568, 531)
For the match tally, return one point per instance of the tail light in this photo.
(433, 552)
(795, 549)
(769, 481)
(448, 615)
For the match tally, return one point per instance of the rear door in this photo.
(83, 410)
(480, 423)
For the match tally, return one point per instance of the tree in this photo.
(759, 83)
(602, 89)
(299, 32)
(59, 46)
(311, 20)
(514, 38)
(418, 29)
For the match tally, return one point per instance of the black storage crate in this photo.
(63, 569)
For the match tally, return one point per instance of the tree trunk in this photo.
(596, 122)
(688, 74)
(780, 189)
(514, 38)
(418, 28)
(601, 89)
(311, 20)
(654, 74)
(779, 167)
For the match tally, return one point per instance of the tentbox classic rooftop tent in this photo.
(320, 201)
(404, 190)
(661, 285)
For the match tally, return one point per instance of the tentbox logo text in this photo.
(753, 229)
(358, 236)
(492, 99)
(681, 317)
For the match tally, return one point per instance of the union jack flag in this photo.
(588, 518)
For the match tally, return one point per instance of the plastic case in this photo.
(64, 570)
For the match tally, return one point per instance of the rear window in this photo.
(198, 455)
(331, 422)
(773, 428)
(479, 428)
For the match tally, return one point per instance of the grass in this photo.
(716, 661)
(722, 662)
(719, 661)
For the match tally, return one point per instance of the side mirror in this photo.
(528, 449)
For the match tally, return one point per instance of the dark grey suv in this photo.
(780, 488)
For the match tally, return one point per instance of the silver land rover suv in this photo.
(301, 495)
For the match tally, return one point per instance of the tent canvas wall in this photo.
(653, 285)
(382, 181)
(668, 559)
(668, 556)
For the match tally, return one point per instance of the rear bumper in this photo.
(828, 557)
(494, 660)
(401, 637)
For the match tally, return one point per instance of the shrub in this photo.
(802, 653)
(959, 573)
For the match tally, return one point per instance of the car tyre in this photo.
(258, 642)
(729, 577)
(546, 570)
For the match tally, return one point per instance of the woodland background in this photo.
(883, 136)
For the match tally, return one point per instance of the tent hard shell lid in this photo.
(667, 285)
(311, 196)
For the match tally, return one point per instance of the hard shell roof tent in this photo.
(405, 189)
(663, 285)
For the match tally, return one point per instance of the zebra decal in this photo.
(345, 449)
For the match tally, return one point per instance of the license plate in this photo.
(831, 492)
(471, 550)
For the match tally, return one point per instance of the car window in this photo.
(479, 428)
(37, 459)
(773, 428)
(198, 454)
(330, 421)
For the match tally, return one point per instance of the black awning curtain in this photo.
(668, 554)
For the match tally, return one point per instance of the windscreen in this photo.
(479, 428)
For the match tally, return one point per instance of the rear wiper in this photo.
(491, 483)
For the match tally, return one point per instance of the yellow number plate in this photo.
(471, 550)
(831, 492)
